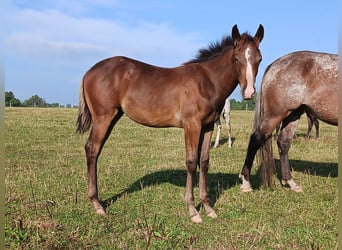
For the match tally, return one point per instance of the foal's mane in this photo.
(216, 48)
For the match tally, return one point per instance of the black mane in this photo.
(215, 49)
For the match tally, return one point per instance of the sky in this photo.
(49, 45)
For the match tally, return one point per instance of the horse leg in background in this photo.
(312, 120)
(227, 119)
(276, 132)
(102, 126)
(204, 147)
(226, 116)
(219, 126)
(310, 124)
(316, 123)
(287, 131)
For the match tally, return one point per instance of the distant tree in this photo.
(35, 101)
(242, 105)
(54, 105)
(10, 100)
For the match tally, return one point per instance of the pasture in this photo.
(142, 173)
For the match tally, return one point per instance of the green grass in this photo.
(142, 172)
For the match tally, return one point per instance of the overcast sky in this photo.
(49, 45)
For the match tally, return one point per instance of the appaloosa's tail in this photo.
(84, 117)
(267, 166)
(265, 153)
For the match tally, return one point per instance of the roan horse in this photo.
(190, 96)
(226, 116)
(299, 82)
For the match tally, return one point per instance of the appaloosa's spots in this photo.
(299, 82)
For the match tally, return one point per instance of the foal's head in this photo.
(247, 58)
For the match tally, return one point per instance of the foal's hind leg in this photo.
(284, 142)
(102, 126)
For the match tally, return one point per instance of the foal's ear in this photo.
(235, 34)
(259, 35)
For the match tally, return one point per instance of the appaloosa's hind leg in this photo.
(102, 126)
(284, 142)
(204, 167)
(255, 142)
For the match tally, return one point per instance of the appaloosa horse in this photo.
(299, 82)
(190, 96)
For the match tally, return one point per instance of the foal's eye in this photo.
(236, 60)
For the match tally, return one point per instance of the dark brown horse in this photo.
(312, 120)
(299, 82)
(190, 96)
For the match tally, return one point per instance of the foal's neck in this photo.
(222, 73)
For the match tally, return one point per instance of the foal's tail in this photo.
(84, 117)
(265, 154)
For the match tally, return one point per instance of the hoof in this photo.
(245, 186)
(196, 219)
(293, 186)
(212, 215)
(246, 189)
(297, 189)
(100, 211)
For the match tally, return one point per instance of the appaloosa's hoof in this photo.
(292, 185)
(246, 188)
(196, 219)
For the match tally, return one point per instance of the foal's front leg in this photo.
(204, 166)
(192, 132)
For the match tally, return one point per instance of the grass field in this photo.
(46, 189)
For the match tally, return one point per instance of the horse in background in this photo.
(226, 116)
(312, 120)
(302, 81)
(190, 96)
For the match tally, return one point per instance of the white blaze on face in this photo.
(249, 90)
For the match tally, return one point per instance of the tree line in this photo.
(242, 105)
(37, 101)
(33, 101)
